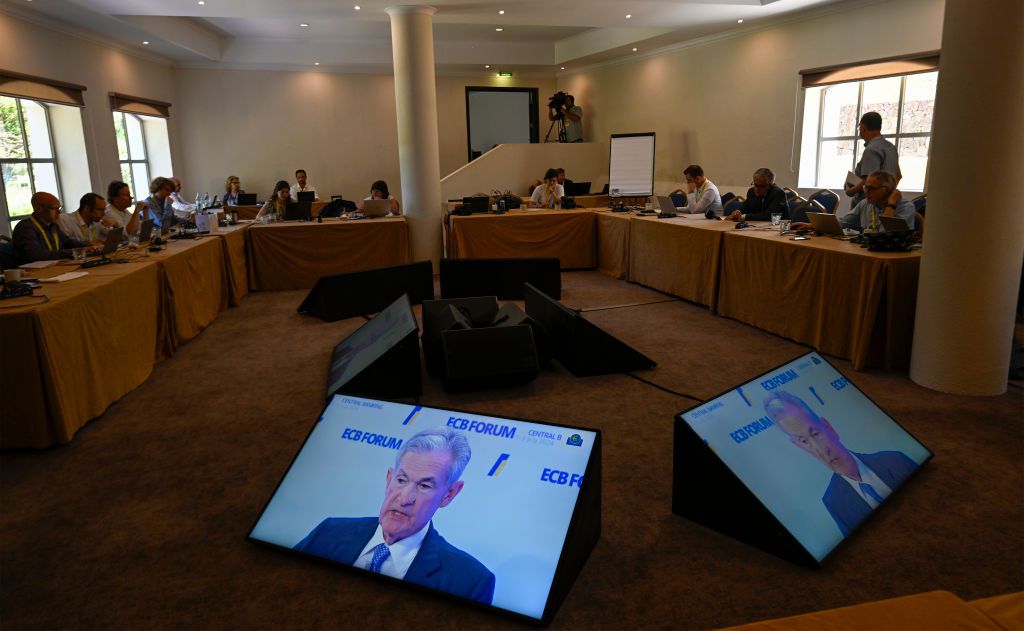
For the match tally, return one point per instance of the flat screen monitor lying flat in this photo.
(792, 461)
(507, 525)
(826, 223)
(376, 207)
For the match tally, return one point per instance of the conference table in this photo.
(567, 235)
(67, 357)
(295, 254)
(250, 212)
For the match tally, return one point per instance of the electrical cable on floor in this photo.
(663, 388)
(633, 304)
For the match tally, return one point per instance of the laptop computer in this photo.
(578, 188)
(306, 196)
(146, 230)
(477, 203)
(668, 207)
(826, 223)
(246, 199)
(893, 224)
(298, 211)
(376, 207)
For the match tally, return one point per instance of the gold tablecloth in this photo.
(613, 243)
(829, 294)
(294, 255)
(250, 212)
(236, 269)
(567, 235)
(678, 256)
(194, 289)
(64, 362)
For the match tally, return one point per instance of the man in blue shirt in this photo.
(881, 199)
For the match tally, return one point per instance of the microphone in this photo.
(710, 214)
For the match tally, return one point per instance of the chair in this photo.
(727, 198)
(919, 228)
(678, 198)
(736, 203)
(798, 209)
(827, 199)
(790, 193)
(919, 203)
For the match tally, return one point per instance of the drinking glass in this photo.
(784, 226)
(776, 218)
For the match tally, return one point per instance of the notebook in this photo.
(376, 207)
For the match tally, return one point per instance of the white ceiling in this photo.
(537, 36)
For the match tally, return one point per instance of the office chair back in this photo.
(827, 199)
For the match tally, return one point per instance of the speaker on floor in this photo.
(380, 359)
(369, 291)
(582, 347)
(503, 278)
(435, 322)
(489, 357)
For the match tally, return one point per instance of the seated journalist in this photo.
(159, 203)
(87, 224)
(401, 541)
(37, 237)
(764, 198)
(549, 193)
(881, 198)
(274, 207)
(232, 189)
(379, 190)
(702, 195)
(119, 199)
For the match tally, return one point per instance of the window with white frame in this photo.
(27, 154)
(131, 151)
(831, 147)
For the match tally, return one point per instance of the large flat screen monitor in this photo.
(377, 486)
(812, 448)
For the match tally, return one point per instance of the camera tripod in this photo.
(560, 121)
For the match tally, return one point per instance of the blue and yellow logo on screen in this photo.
(499, 466)
(412, 415)
(575, 440)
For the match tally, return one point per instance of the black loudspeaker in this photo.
(706, 491)
(359, 293)
(511, 315)
(581, 346)
(448, 318)
(489, 357)
(503, 278)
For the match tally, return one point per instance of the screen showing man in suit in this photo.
(478, 507)
(856, 455)
(401, 542)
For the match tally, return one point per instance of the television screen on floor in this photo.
(370, 342)
(497, 511)
(811, 447)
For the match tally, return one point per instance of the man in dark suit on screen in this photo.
(401, 541)
(860, 482)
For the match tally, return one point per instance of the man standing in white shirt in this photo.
(302, 185)
(86, 224)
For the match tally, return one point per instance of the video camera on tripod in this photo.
(557, 101)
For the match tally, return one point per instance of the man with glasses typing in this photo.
(763, 199)
(37, 237)
(882, 199)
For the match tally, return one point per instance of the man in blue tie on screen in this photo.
(401, 541)
(860, 482)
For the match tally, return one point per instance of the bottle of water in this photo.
(206, 202)
(197, 202)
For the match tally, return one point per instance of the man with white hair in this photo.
(401, 541)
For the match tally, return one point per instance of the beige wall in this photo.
(261, 125)
(730, 105)
(34, 50)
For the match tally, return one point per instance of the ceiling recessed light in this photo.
(563, 67)
(499, 29)
(487, 66)
(634, 50)
(316, 63)
(145, 43)
(739, 21)
(303, 25)
(629, 15)
(201, 2)
(357, 7)
(501, 12)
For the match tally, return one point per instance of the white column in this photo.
(412, 45)
(974, 232)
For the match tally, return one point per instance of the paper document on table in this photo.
(64, 277)
(852, 179)
(40, 264)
